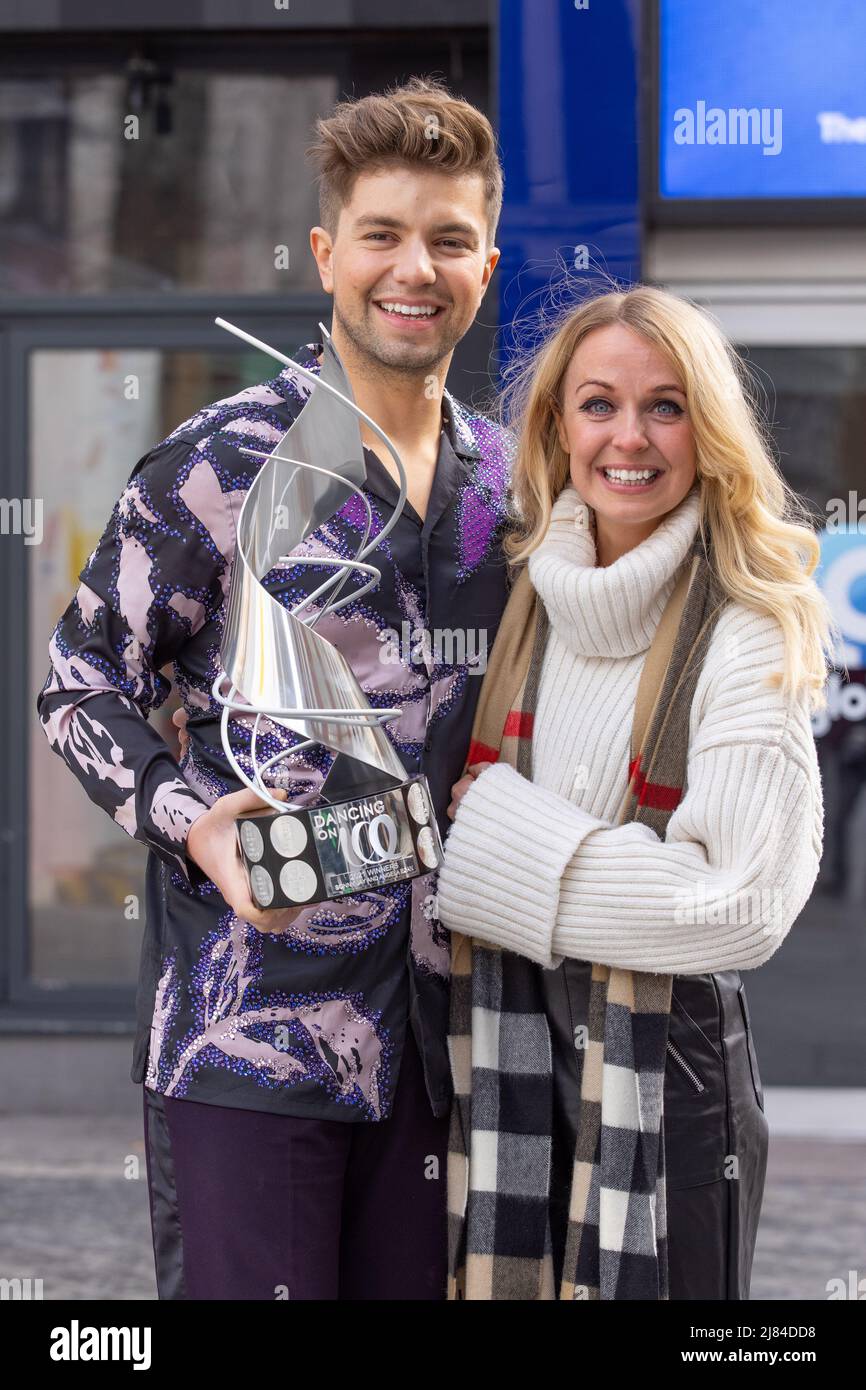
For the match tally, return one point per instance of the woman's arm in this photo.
(527, 870)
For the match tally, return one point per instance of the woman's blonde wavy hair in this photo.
(762, 535)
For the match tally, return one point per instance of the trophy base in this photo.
(336, 848)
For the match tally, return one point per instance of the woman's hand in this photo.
(212, 843)
(459, 789)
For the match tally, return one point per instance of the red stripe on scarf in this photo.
(518, 725)
(481, 753)
(654, 794)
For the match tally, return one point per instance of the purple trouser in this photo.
(248, 1204)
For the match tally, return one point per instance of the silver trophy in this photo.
(371, 824)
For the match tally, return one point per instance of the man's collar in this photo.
(457, 428)
(453, 419)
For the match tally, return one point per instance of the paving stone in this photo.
(74, 1211)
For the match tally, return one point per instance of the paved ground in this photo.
(73, 1211)
(813, 1220)
(73, 1206)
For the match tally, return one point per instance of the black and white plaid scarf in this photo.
(501, 1124)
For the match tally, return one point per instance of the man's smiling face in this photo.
(409, 264)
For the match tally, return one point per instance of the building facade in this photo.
(150, 179)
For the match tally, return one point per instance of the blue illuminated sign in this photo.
(842, 576)
(762, 100)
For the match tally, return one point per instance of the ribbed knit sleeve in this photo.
(721, 891)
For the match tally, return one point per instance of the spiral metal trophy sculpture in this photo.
(372, 824)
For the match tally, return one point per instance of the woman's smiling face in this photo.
(625, 425)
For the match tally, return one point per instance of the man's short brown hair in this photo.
(418, 123)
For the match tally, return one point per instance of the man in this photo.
(296, 1079)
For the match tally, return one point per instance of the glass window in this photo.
(817, 401)
(113, 182)
(107, 408)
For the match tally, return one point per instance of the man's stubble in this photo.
(387, 360)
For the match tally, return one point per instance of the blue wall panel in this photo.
(568, 125)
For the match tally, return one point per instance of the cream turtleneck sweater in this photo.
(539, 867)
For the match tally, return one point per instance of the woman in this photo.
(641, 819)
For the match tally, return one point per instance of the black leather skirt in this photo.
(715, 1131)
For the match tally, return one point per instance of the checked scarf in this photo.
(501, 1122)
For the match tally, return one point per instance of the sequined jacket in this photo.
(310, 1021)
